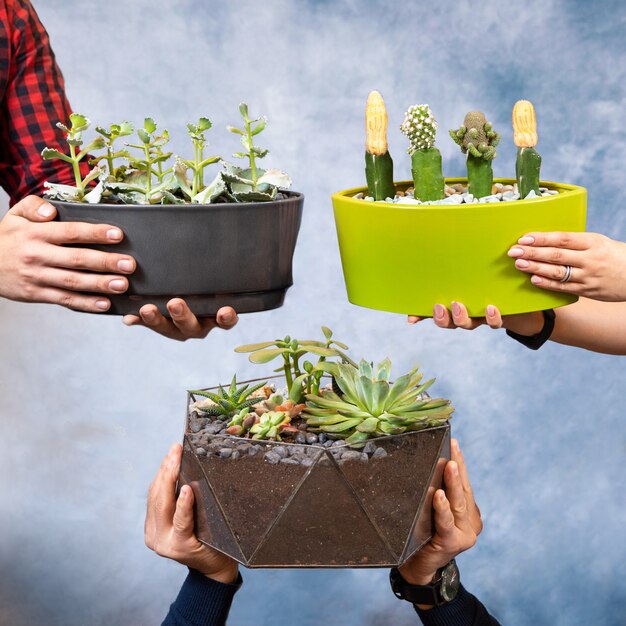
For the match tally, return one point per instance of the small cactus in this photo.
(378, 161)
(528, 163)
(478, 141)
(420, 127)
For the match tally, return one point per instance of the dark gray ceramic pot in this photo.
(231, 254)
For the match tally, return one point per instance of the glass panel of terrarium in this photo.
(211, 526)
(253, 480)
(390, 476)
(423, 528)
(323, 526)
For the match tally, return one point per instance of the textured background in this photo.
(89, 407)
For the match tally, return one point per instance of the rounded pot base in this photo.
(202, 305)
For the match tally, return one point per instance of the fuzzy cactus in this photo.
(378, 161)
(478, 141)
(528, 164)
(420, 127)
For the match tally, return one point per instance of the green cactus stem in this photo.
(420, 127)
(378, 161)
(427, 175)
(479, 176)
(478, 141)
(527, 167)
(379, 175)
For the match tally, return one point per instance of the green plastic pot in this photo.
(407, 258)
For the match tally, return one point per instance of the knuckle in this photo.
(70, 281)
(67, 300)
(556, 254)
(31, 257)
(564, 240)
(71, 233)
(77, 259)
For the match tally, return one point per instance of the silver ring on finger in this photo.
(567, 273)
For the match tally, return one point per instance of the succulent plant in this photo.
(270, 425)
(528, 163)
(478, 141)
(378, 161)
(147, 179)
(301, 377)
(252, 184)
(369, 405)
(227, 402)
(420, 127)
(74, 136)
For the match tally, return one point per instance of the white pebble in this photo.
(553, 192)
(508, 196)
(468, 198)
(531, 194)
(407, 200)
(488, 199)
(368, 199)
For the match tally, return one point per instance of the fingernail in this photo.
(526, 240)
(522, 263)
(515, 252)
(103, 305)
(125, 265)
(456, 309)
(440, 311)
(536, 280)
(115, 234)
(46, 210)
(148, 316)
(176, 309)
(491, 310)
(117, 284)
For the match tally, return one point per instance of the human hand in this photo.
(168, 530)
(598, 263)
(35, 266)
(527, 324)
(457, 523)
(184, 324)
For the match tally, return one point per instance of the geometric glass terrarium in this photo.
(285, 504)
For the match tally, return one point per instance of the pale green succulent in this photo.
(270, 425)
(369, 405)
(227, 402)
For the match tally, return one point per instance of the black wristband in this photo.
(534, 342)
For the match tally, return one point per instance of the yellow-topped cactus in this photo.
(528, 163)
(378, 162)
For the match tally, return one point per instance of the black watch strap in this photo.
(420, 594)
(534, 342)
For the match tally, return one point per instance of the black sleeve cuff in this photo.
(464, 610)
(202, 602)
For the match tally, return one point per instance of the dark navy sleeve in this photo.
(202, 602)
(464, 610)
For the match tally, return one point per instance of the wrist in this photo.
(526, 324)
(226, 576)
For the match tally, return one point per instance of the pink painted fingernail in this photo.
(103, 305)
(114, 234)
(536, 280)
(46, 210)
(491, 310)
(522, 264)
(526, 240)
(456, 309)
(440, 311)
(514, 252)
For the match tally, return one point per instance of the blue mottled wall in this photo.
(89, 407)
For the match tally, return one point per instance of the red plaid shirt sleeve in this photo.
(33, 100)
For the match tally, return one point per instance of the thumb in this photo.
(183, 516)
(34, 209)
